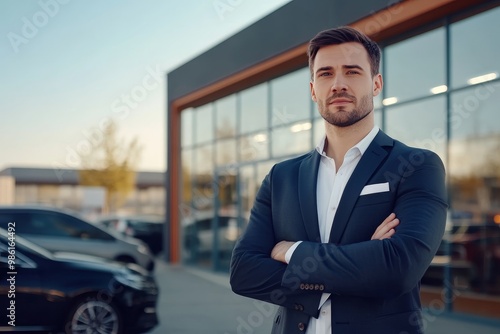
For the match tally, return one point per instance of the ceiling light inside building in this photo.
(390, 100)
(482, 78)
(260, 138)
(301, 127)
(439, 89)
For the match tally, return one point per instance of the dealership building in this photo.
(245, 104)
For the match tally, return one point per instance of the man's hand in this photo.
(386, 229)
(280, 249)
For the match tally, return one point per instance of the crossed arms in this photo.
(386, 266)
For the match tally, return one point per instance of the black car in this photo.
(71, 293)
(59, 230)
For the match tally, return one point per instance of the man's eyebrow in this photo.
(324, 68)
(350, 67)
(347, 67)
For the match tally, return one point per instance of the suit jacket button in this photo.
(302, 286)
(322, 287)
(301, 326)
(316, 287)
(311, 286)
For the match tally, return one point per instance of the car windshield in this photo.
(4, 236)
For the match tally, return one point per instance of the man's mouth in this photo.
(340, 101)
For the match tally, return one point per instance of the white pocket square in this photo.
(375, 188)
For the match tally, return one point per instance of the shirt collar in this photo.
(362, 145)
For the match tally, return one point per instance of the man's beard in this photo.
(346, 118)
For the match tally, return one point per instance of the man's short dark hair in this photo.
(342, 35)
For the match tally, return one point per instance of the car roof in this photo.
(41, 207)
(143, 218)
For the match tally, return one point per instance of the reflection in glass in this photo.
(474, 130)
(187, 127)
(254, 147)
(292, 139)
(319, 130)
(409, 76)
(225, 124)
(378, 118)
(472, 57)
(290, 95)
(198, 237)
(419, 124)
(203, 177)
(377, 100)
(254, 105)
(187, 176)
(474, 170)
(226, 152)
(204, 121)
(226, 224)
(248, 189)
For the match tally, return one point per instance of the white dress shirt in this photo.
(330, 186)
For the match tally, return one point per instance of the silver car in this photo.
(58, 230)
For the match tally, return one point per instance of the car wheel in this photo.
(94, 316)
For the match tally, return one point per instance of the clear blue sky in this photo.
(66, 66)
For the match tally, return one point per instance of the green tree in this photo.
(111, 163)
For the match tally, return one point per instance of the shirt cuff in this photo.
(289, 252)
(324, 298)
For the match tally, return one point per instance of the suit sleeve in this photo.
(390, 267)
(254, 273)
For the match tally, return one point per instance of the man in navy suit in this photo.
(340, 237)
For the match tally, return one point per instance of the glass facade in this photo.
(442, 92)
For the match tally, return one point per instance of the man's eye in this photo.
(324, 74)
(352, 72)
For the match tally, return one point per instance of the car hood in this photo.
(95, 261)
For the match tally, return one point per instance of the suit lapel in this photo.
(369, 162)
(308, 175)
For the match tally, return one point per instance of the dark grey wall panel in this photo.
(289, 26)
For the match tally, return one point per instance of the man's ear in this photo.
(313, 93)
(378, 84)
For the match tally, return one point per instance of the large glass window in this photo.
(187, 178)
(319, 130)
(226, 152)
(254, 146)
(248, 188)
(377, 115)
(410, 76)
(253, 129)
(225, 123)
(203, 179)
(290, 95)
(475, 49)
(420, 124)
(204, 123)
(254, 105)
(187, 127)
(292, 139)
(474, 170)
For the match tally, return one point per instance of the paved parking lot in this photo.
(193, 301)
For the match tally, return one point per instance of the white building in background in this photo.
(62, 189)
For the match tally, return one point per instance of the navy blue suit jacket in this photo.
(374, 284)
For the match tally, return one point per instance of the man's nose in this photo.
(339, 84)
